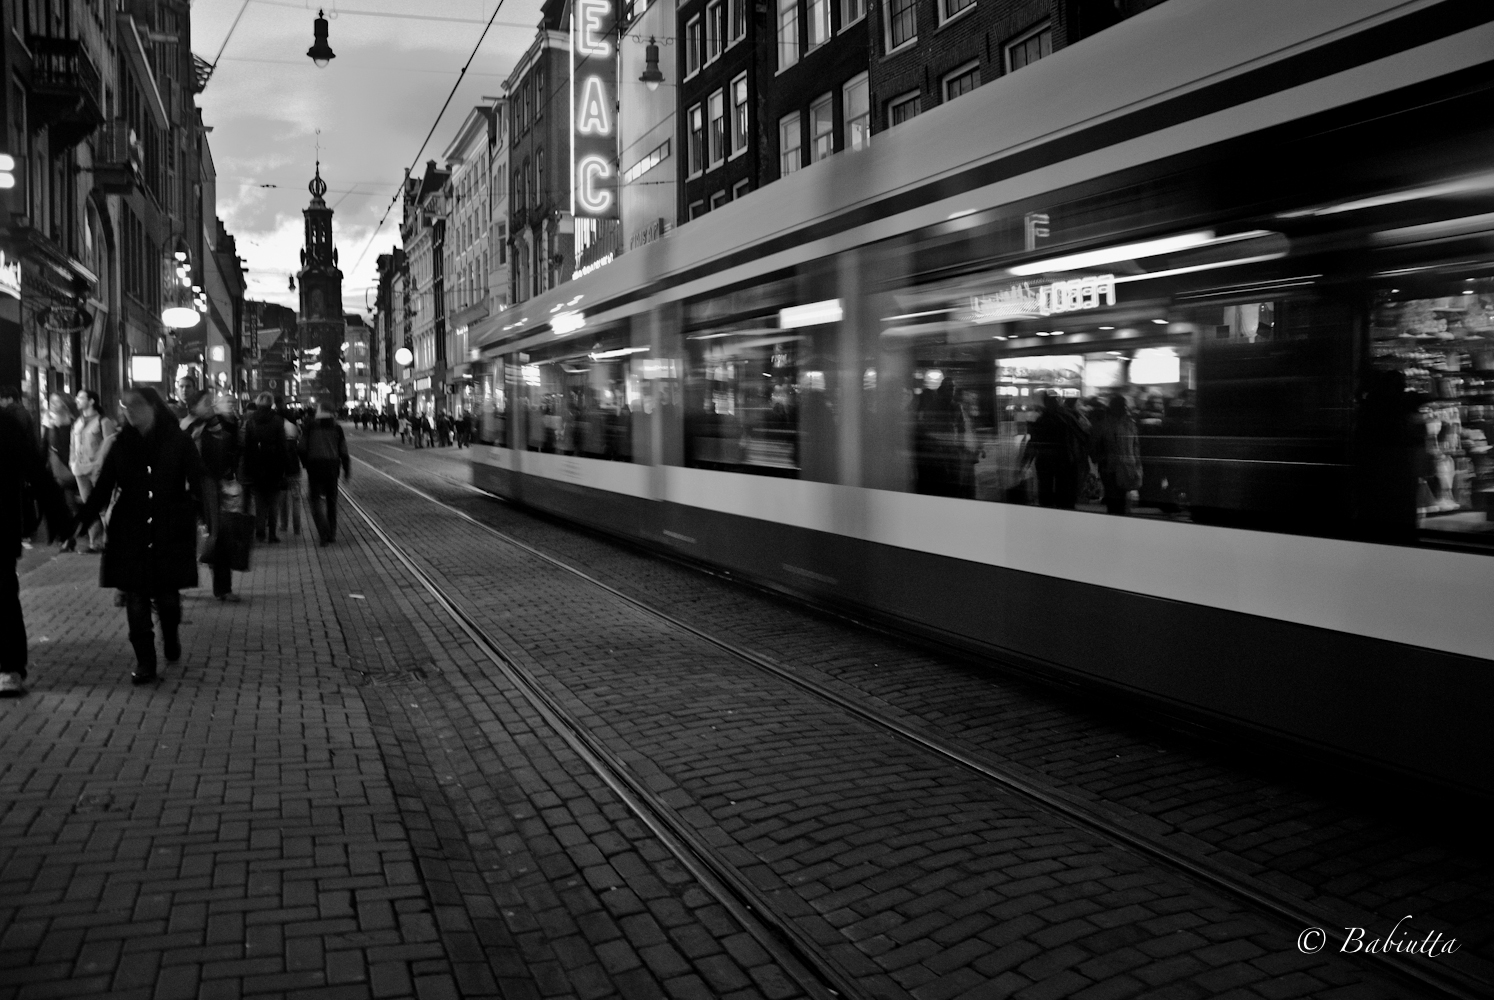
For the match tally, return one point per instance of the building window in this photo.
(900, 109)
(739, 121)
(718, 128)
(738, 18)
(902, 23)
(1031, 47)
(697, 140)
(692, 46)
(949, 8)
(819, 22)
(715, 31)
(856, 102)
(718, 199)
(697, 209)
(788, 33)
(851, 11)
(962, 81)
(789, 141)
(821, 129)
(740, 188)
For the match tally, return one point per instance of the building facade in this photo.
(541, 230)
(423, 233)
(102, 222)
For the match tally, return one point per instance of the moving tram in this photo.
(1170, 376)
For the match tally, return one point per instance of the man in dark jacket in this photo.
(325, 449)
(264, 463)
(21, 469)
(151, 550)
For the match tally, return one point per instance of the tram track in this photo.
(714, 871)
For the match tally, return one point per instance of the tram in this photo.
(1164, 365)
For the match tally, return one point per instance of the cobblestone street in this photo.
(335, 794)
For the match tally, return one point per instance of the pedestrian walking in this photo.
(25, 483)
(290, 495)
(90, 436)
(324, 449)
(57, 436)
(263, 464)
(151, 551)
(215, 431)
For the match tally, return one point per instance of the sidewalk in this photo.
(316, 803)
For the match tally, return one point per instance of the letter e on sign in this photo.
(592, 37)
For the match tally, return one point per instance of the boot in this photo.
(145, 660)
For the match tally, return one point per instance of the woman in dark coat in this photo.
(151, 552)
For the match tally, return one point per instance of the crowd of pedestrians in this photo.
(137, 493)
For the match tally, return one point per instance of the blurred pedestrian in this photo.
(264, 463)
(57, 436)
(1057, 448)
(151, 552)
(324, 449)
(290, 495)
(216, 435)
(1117, 452)
(25, 482)
(91, 432)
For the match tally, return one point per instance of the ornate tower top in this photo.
(318, 251)
(317, 187)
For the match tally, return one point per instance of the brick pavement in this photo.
(905, 869)
(1364, 852)
(319, 802)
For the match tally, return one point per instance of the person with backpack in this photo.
(264, 464)
(324, 449)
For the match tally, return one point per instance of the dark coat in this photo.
(152, 542)
(24, 480)
(218, 443)
(264, 463)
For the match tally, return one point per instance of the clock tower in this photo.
(322, 323)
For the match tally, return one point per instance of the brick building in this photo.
(927, 52)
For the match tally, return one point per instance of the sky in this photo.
(397, 61)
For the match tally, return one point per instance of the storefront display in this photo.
(1442, 347)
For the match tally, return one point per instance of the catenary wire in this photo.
(416, 161)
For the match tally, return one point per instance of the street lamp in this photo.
(651, 75)
(403, 357)
(179, 314)
(320, 52)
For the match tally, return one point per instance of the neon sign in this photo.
(593, 91)
(1028, 301)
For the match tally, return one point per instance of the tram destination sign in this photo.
(593, 110)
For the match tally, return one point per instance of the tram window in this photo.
(585, 397)
(759, 398)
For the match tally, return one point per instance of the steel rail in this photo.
(1445, 983)
(803, 958)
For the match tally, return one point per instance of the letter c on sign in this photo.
(593, 169)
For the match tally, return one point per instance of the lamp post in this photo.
(320, 52)
(651, 75)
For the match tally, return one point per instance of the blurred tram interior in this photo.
(1165, 364)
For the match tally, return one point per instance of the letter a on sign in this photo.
(591, 116)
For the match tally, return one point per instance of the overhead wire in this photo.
(416, 161)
